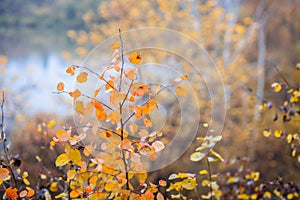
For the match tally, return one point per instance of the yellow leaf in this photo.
(205, 182)
(71, 174)
(189, 183)
(266, 132)
(115, 116)
(276, 87)
(277, 133)
(51, 124)
(135, 58)
(267, 194)
(202, 172)
(180, 91)
(115, 45)
(62, 160)
(294, 153)
(88, 150)
(60, 86)
(290, 196)
(79, 107)
(197, 156)
(82, 77)
(216, 155)
(74, 155)
(53, 187)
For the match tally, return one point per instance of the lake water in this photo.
(35, 78)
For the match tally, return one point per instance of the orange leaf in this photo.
(4, 173)
(75, 193)
(100, 114)
(63, 135)
(75, 94)
(180, 91)
(79, 107)
(158, 146)
(98, 105)
(30, 192)
(139, 89)
(162, 183)
(135, 58)
(109, 85)
(125, 144)
(71, 70)
(130, 73)
(116, 66)
(131, 99)
(89, 108)
(96, 93)
(23, 193)
(184, 77)
(82, 77)
(115, 116)
(60, 86)
(115, 45)
(149, 107)
(147, 122)
(12, 193)
(116, 98)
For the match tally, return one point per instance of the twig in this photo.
(281, 75)
(7, 157)
(95, 73)
(122, 57)
(121, 105)
(84, 95)
(210, 178)
(152, 97)
(2, 115)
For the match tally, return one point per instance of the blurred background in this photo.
(41, 38)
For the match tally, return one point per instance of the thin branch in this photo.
(7, 157)
(152, 97)
(281, 75)
(126, 94)
(2, 115)
(121, 105)
(122, 57)
(95, 73)
(210, 178)
(92, 98)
